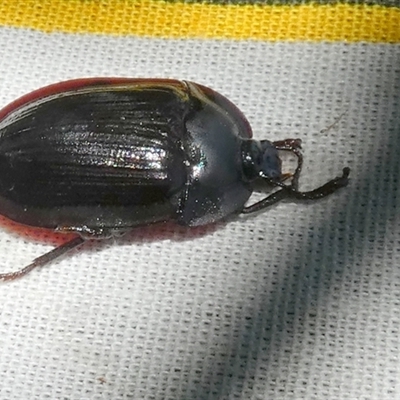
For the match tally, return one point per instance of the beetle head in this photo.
(261, 160)
(271, 164)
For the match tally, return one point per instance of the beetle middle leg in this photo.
(289, 192)
(43, 259)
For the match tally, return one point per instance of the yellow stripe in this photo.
(152, 18)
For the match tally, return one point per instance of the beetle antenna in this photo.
(289, 192)
(43, 259)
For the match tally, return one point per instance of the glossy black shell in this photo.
(99, 156)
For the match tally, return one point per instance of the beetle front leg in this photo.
(294, 146)
(288, 192)
(43, 259)
(267, 202)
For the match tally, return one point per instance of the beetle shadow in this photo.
(297, 294)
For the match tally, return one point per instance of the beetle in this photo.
(101, 156)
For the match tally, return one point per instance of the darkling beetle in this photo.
(101, 156)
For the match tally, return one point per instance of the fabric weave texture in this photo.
(299, 302)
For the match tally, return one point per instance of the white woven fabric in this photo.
(300, 302)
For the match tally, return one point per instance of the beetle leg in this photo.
(284, 177)
(287, 144)
(266, 202)
(43, 260)
(294, 146)
(289, 192)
